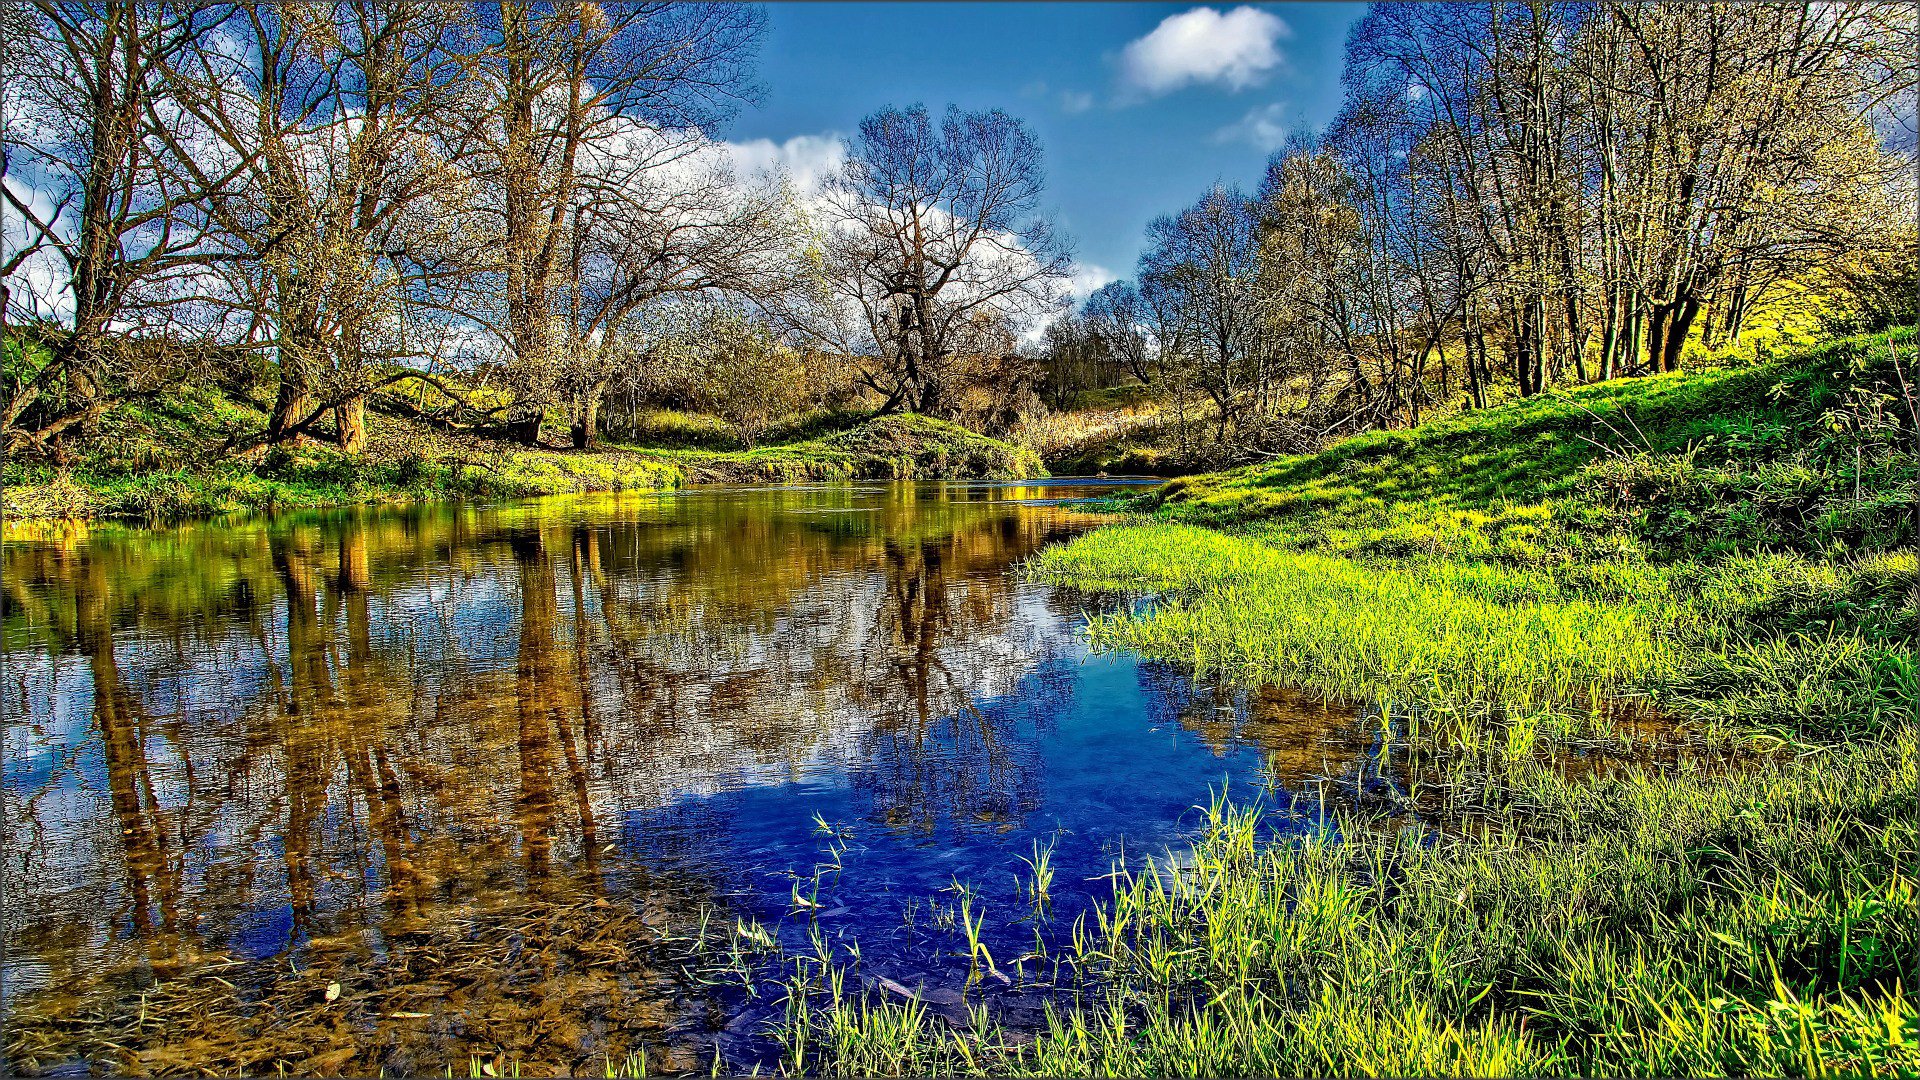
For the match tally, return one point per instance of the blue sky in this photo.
(1140, 106)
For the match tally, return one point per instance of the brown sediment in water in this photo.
(559, 984)
(291, 791)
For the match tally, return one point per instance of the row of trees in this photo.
(525, 195)
(1517, 194)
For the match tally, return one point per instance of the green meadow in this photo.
(1647, 649)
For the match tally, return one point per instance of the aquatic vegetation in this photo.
(1040, 885)
(1766, 923)
(1352, 631)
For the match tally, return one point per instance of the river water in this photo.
(389, 788)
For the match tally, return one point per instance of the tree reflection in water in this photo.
(483, 767)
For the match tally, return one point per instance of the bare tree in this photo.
(1202, 269)
(563, 78)
(662, 216)
(927, 227)
(1116, 321)
(85, 179)
(330, 118)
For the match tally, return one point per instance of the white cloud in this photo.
(1235, 50)
(808, 160)
(1264, 128)
(1086, 279)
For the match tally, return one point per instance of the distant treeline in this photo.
(1520, 195)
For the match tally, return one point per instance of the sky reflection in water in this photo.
(463, 760)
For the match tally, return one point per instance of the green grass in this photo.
(1514, 563)
(1695, 463)
(903, 446)
(321, 476)
(156, 460)
(1730, 548)
(1764, 924)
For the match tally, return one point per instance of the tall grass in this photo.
(1345, 630)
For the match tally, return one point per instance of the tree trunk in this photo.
(586, 418)
(1677, 333)
(1609, 337)
(350, 417)
(1631, 322)
(291, 403)
(1657, 336)
(1475, 364)
(525, 427)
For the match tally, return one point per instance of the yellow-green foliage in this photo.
(1791, 453)
(902, 446)
(1331, 625)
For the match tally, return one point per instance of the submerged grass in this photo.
(1765, 924)
(1731, 548)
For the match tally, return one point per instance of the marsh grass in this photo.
(1345, 630)
(1766, 923)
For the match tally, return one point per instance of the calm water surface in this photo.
(385, 788)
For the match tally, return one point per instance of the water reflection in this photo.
(481, 772)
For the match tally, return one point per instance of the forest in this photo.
(235, 228)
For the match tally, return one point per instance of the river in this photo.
(384, 788)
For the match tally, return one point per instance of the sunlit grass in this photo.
(1765, 923)
(1354, 632)
(405, 463)
(1716, 545)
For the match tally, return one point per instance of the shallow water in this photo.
(386, 788)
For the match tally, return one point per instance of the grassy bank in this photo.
(899, 447)
(1729, 550)
(160, 471)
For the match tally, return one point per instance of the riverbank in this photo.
(408, 462)
(1648, 651)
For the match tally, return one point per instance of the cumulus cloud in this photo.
(806, 160)
(1236, 50)
(1264, 128)
(1086, 279)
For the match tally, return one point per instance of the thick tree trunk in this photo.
(291, 404)
(525, 427)
(1677, 333)
(350, 417)
(1657, 336)
(586, 419)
